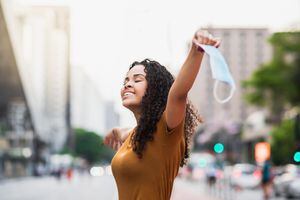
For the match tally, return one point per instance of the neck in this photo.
(137, 115)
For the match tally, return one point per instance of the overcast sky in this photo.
(107, 36)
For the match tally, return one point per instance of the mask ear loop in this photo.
(216, 95)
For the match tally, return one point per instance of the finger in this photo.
(200, 34)
(115, 146)
(211, 39)
(111, 143)
(199, 39)
(195, 41)
(119, 145)
(205, 36)
(114, 133)
(218, 43)
(208, 37)
(211, 42)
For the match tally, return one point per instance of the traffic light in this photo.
(297, 157)
(218, 147)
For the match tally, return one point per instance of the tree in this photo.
(276, 85)
(283, 143)
(90, 146)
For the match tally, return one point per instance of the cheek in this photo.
(121, 90)
(143, 89)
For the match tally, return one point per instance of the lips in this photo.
(127, 94)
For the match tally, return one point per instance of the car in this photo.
(245, 176)
(199, 163)
(293, 189)
(284, 180)
(281, 184)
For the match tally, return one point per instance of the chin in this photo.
(129, 104)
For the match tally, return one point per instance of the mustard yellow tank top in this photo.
(152, 176)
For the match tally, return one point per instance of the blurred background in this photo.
(62, 64)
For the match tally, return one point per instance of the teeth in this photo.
(128, 93)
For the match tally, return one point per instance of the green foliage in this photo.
(66, 150)
(283, 143)
(276, 85)
(90, 146)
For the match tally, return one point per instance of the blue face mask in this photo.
(220, 70)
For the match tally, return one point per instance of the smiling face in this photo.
(134, 88)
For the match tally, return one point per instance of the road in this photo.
(104, 188)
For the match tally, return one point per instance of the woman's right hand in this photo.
(115, 137)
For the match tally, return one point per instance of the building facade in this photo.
(34, 86)
(90, 110)
(40, 37)
(244, 49)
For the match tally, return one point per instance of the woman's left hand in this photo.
(204, 37)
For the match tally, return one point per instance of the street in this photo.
(95, 188)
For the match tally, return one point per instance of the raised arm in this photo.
(184, 81)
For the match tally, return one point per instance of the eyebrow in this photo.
(135, 75)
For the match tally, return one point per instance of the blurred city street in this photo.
(64, 74)
(48, 188)
(92, 188)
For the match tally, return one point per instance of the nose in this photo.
(128, 85)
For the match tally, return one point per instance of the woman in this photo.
(149, 156)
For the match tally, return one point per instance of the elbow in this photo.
(178, 93)
(179, 97)
(182, 97)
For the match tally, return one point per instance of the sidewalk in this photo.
(189, 191)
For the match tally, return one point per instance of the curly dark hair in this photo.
(153, 105)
